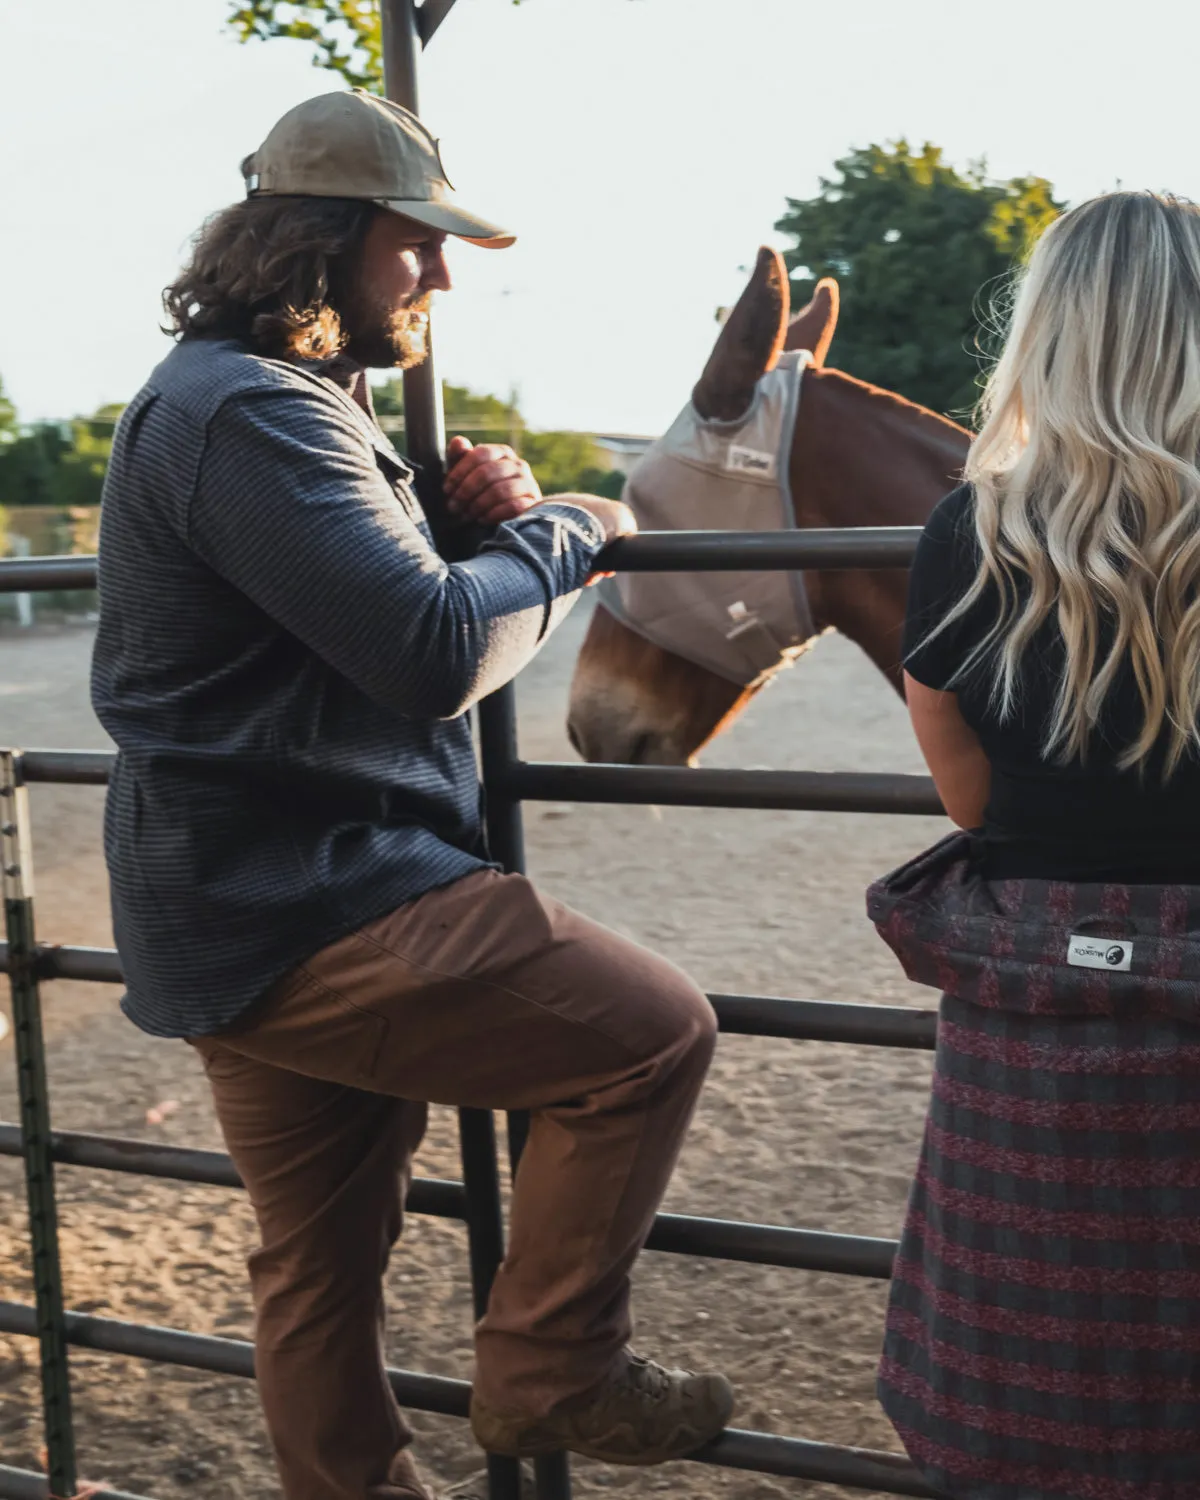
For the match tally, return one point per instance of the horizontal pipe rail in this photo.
(25, 1484)
(68, 767)
(33, 575)
(111, 1153)
(667, 786)
(200, 1351)
(685, 786)
(739, 1015)
(649, 552)
(63, 961)
(770, 551)
(773, 1245)
(796, 1458)
(826, 1021)
(677, 1234)
(426, 1195)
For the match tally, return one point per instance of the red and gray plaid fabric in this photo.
(1043, 1334)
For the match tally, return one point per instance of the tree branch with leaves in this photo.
(346, 35)
(920, 248)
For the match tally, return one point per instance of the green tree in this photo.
(60, 464)
(8, 419)
(561, 461)
(567, 461)
(83, 465)
(345, 34)
(482, 418)
(919, 248)
(30, 465)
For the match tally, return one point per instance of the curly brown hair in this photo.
(272, 271)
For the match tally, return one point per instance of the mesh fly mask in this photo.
(721, 476)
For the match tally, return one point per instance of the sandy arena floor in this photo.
(801, 1134)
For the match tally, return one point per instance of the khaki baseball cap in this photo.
(357, 145)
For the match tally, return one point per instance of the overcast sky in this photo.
(642, 149)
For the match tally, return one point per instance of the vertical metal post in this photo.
(498, 753)
(424, 419)
(485, 1241)
(33, 1096)
(425, 432)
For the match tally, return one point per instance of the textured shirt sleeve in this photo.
(292, 509)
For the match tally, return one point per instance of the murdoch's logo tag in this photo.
(1099, 953)
(750, 461)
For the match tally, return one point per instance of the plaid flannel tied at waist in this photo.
(1040, 947)
(1043, 1328)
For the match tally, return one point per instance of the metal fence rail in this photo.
(406, 27)
(476, 1200)
(650, 552)
(668, 786)
(762, 1452)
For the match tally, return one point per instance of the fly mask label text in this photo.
(741, 460)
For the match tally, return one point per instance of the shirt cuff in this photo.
(581, 521)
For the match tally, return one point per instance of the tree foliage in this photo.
(56, 464)
(482, 418)
(565, 462)
(8, 418)
(61, 465)
(920, 249)
(346, 35)
(561, 461)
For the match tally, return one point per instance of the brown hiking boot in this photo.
(404, 1478)
(641, 1415)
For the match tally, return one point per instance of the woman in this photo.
(1044, 1327)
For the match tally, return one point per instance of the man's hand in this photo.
(487, 484)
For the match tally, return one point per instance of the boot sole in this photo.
(529, 1445)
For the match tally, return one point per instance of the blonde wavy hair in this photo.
(1087, 490)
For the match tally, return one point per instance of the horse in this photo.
(858, 456)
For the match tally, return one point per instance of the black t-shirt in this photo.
(1079, 821)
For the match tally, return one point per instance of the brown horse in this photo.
(859, 456)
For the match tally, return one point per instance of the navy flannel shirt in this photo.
(285, 662)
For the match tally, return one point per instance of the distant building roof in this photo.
(623, 442)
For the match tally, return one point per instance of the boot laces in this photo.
(646, 1376)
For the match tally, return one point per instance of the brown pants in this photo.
(487, 994)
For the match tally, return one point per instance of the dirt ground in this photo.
(802, 1134)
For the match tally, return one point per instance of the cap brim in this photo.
(456, 221)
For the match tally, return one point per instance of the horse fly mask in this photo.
(721, 476)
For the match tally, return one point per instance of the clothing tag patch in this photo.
(1099, 953)
(750, 461)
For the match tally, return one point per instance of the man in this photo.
(299, 877)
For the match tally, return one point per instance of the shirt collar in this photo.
(351, 379)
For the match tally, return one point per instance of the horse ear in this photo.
(812, 327)
(748, 345)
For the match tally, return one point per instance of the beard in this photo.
(388, 338)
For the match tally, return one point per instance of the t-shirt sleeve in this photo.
(942, 572)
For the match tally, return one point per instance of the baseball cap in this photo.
(353, 144)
